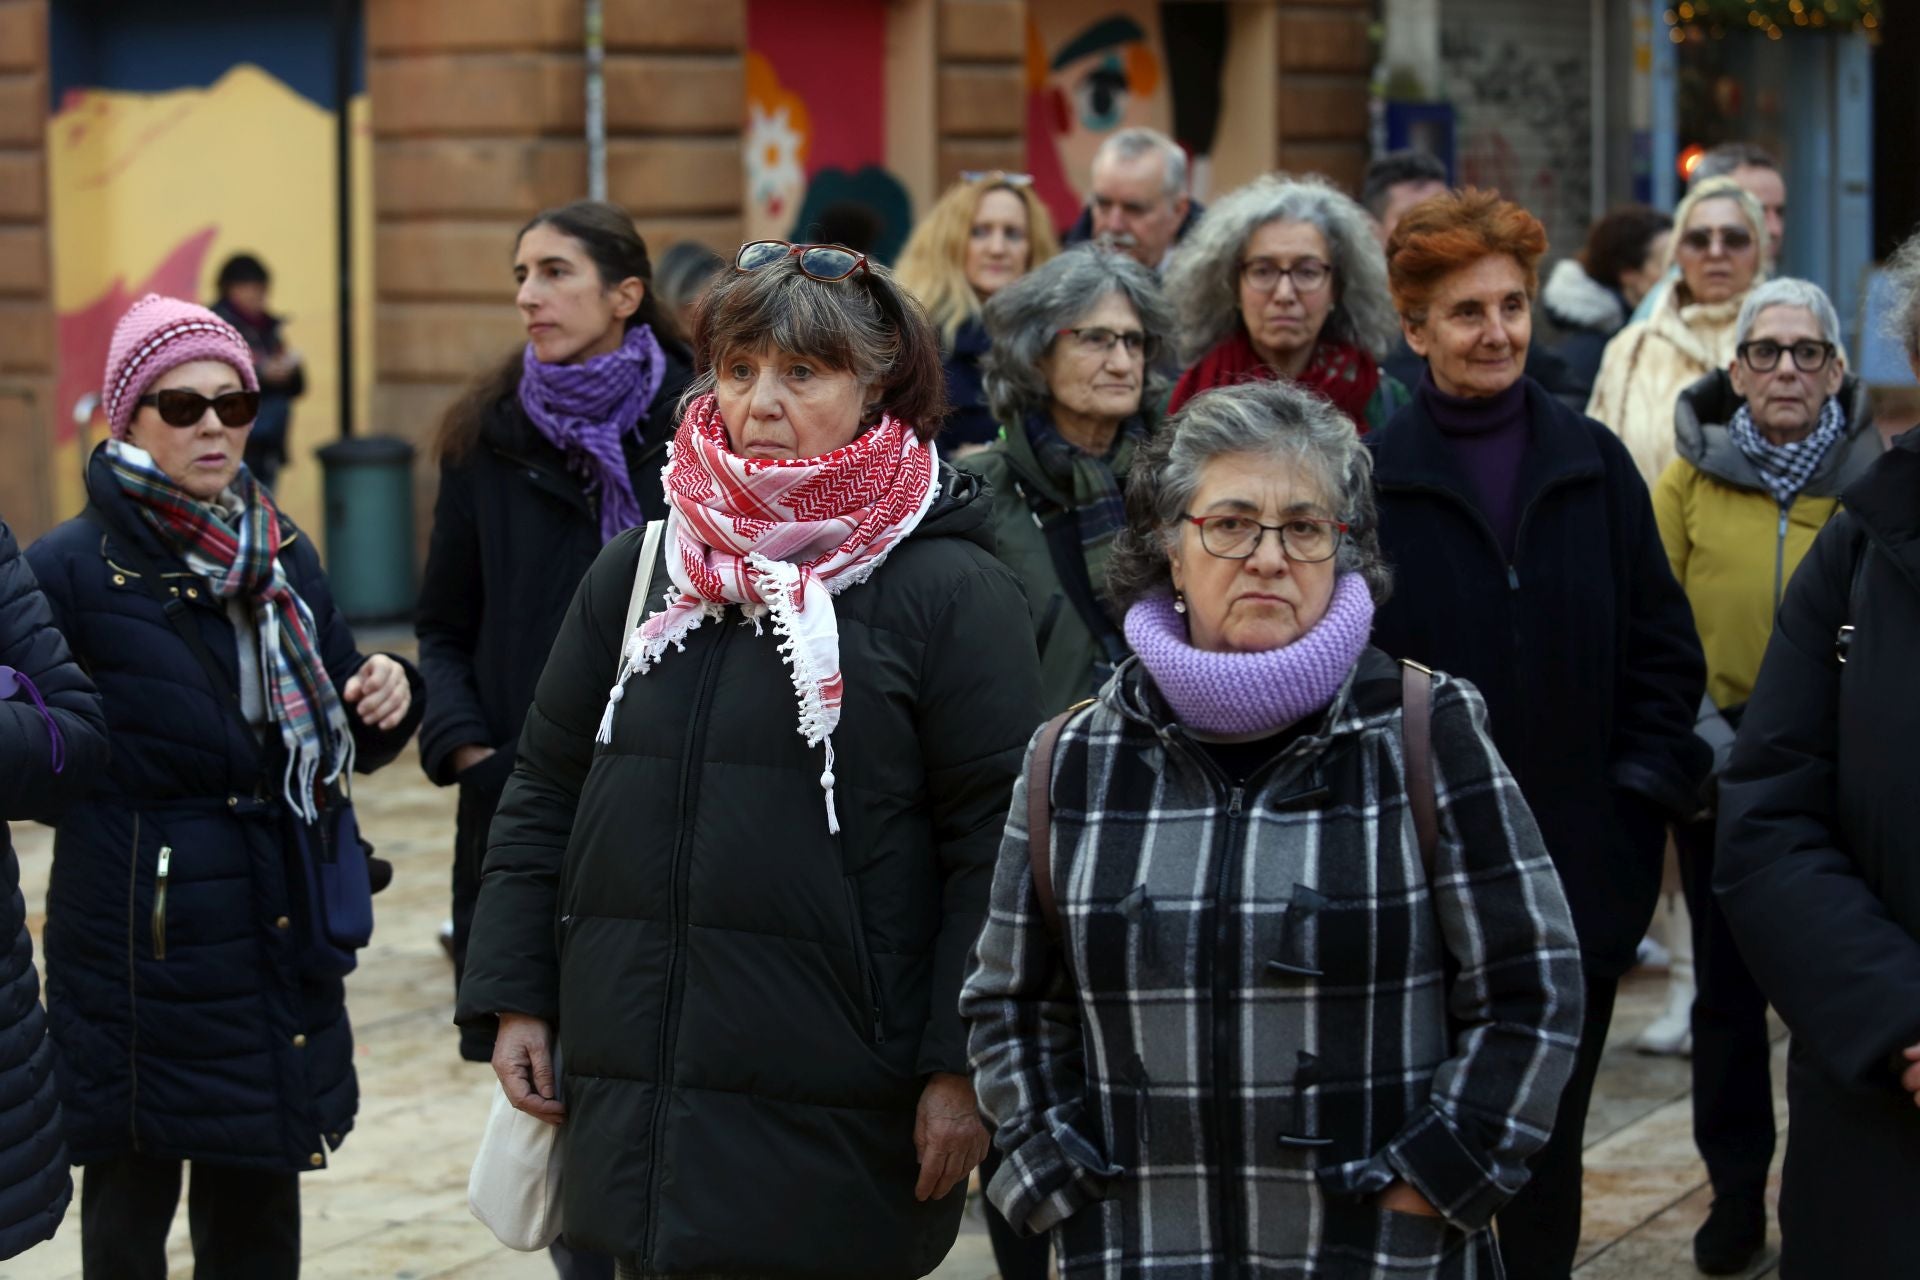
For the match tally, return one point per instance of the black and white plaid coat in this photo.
(1263, 1015)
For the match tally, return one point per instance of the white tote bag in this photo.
(515, 1184)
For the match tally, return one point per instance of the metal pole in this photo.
(1665, 127)
(596, 103)
(345, 15)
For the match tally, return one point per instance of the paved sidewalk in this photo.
(393, 1205)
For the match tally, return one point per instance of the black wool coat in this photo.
(35, 1185)
(1818, 872)
(1582, 644)
(749, 1007)
(185, 1026)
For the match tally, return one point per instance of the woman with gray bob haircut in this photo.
(1070, 379)
(1285, 279)
(1291, 1011)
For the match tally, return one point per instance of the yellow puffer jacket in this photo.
(1732, 547)
(1649, 363)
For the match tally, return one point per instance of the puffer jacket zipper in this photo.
(133, 1011)
(160, 867)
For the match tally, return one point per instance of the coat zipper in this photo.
(1231, 1227)
(133, 1012)
(160, 902)
(677, 914)
(1780, 558)
(863, 959)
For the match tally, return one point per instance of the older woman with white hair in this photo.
(1276, 980)
(1070, 379)
(1766, 447)
(1285, 280)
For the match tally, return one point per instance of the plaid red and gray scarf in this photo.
(240, 560)
(780, 537)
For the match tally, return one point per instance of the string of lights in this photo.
(1714, 19)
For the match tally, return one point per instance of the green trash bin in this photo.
(368, 482)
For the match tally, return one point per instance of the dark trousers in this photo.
(1540, 1228)
(1018, 1257)
(569, 1264)
(1732, 1068)
(245, 1223)
(474, 819)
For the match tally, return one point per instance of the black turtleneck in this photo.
(1488, 435)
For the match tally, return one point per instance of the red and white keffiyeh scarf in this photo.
(780, 537)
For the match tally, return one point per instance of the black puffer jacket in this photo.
(34, 1183)
(1819, 874)
(748, 1007)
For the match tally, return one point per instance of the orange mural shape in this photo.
(778, 132)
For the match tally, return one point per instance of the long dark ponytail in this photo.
(608, 237)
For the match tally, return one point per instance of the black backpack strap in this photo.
(170, 601)
(1061, 529)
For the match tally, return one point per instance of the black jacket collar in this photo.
(1410, 454)
(1886, 502)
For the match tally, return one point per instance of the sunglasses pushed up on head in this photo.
(181, 408)
(827, 263)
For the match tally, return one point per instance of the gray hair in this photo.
(1203, 280)
(1788, 292)
(1722, 160)
(1903, 318)
(1024, 318)
(1131, 144)
(1270, 418)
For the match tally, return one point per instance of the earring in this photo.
(1179, 603)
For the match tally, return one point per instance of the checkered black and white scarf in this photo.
(1786, 468)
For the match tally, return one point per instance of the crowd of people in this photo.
(1186, 717)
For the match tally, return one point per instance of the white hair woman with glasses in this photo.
(1719, 242)
(1267, 1026)
(1070, 376)
(1766, 447)
(1285, 279)
(744, 921)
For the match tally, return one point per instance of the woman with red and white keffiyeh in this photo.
(747, 844)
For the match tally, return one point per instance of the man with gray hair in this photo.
(1139, 203)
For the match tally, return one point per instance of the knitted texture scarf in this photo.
(1092, 483)
(241, 560)
(1786, 468)
(585, 409)
(780, 537)
(1339, 372)
(1252, 695)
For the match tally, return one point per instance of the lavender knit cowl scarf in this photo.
(584, 409)
(1252, 695)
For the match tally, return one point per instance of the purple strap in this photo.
(11, 682)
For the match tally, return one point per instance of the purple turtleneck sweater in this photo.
(1488, 436)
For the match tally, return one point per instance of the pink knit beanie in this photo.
(158, 334)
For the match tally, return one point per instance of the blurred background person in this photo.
(1719, 243)
(1526, 560)
(1285, 280)
(1766, 448)
(1758, 174)
(1589, 296)
(1815, 869)
(987, 231)
(1397, 181)
(53, 747)
(243, 286)
(681, 277)
(1141, 205)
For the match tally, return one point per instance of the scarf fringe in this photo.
(778, 583)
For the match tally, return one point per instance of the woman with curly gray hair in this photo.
(1308, 993)
(1284, 279)
(1070, 380)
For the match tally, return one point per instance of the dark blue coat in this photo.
(34, 1183)
(969, 420)
(185, 1027)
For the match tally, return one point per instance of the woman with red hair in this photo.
(1526, 559)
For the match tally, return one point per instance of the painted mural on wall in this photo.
(816, 126)
(1095, 67)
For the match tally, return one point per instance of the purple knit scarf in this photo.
(1252, 695)
(584, 410)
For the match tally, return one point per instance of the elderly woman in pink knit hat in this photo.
(211, 892)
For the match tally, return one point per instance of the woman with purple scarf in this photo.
(541, 464)
(1249, 1022)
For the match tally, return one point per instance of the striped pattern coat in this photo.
(1261, 1014)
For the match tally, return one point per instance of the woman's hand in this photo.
(947, 1134)
(379, 692)
(523, 1059)
(1400, 1197)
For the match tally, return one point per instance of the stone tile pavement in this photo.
(393, 1204)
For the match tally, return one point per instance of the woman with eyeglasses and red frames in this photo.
(1284, 279)
(203, 903)
(1253, 999)
(1526, 559)
(986, 232)
(1719, 243)
(747, 840)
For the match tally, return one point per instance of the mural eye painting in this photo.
(1101, 96)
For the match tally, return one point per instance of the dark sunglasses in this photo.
(826, 263)
(1700, 239)
(1000, 177)
(185, 408)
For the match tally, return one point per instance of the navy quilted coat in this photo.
(185, 1027)
(34, 1183)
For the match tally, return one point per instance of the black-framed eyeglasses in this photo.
(1303, 539)
(181, 408)
(1099, 340)
(827, 263)
(1763, 356)
(1263, 275)
(1732, 239)
(998, 176)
